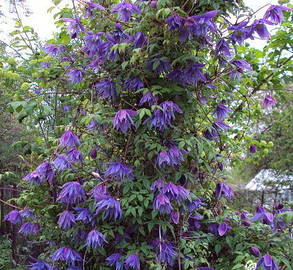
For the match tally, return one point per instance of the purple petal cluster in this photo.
(162, 204)
(110, 206)
(274, 14)
(115, 260)
(66, 220)
(148, 98)
(267, 262)
(158, 65)
(254, 251)
(223, 190)
(72, 192)
(99, 192)
(222, 112)
(262, 214)
(95, 239)
(133, 84)
(223, 47)
(269, 101)
(69, 139)
(132, 261)
(40, 265)
(168, 253)
(53, 50)
(74, 26)
(13, 217)
(106, 89)
(61, 163)
(84, 215)
(33, 177)
(74, 155)
(75, 75)
(240, 66)
(139, 40)
(66, 254)
(29, 228)
(125, 10)
(172, 157)
(123, 121)
(45, 172)
(162, 118)
(119, 171)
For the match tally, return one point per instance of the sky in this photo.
(43, 22)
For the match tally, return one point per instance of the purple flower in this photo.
(115, 259)
(246, 223)
(157, 185)
(125, 10)
(95, 239)
(260, 28)
(33, 177)
(69, 139)
(274, 14)
(40, 265)
(44, 64)
(92, 125)
(222, 47)
(74, 155)
(267, 262)
(84, 215)
(133, 261)
(94, 45)
(213, 228)
(158, 65)
(252, 149)
(211, 134)
(74, 26)
(223, 229)
(263, 215)
(106, 89)
(26, 213)
(175, 217)
(66, 220)
(123, 121)
(65, 108)
(93, 153)
(194, 222)
(52, 50)
(13, 217)
(139, 40)
(118, 170)
(61, 163)
(223, 190)
(110, 206)
(72, 192)
(99, 192)
(133, 84)
(75, 75)
(29, 228)
(240, 33)
(175, 192)
(269, 101)
(161, 118)
(90, 8)
(45, 171)
(163, 159)
(254, 251)
(219, 125)
(148, 98)
(66, 254)
(175, 22)
(168, 253)
(194, 74)
(162, 203)
(195, 204)
(222, 112)
(240, 65)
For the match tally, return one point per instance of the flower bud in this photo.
(93, 153)
(254, 251)
(154, 4)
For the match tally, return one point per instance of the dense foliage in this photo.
(137, 108)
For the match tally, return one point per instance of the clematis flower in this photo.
(95, 239)
(133, 261)
(194, 222)
(163, 159)
(106, 89)
(66, 220)
(162, 203)
(223, 229)
(148, 98)
(133, 84)
(223, 190)
(222, 47)
(219, 125)
(69, 139)
(193, 74)
(72, 192)
(13, 217)
(240, 66)
(254, 251)
(259, 26)
(252, 148)
(157, 185)
(123, 121)
(75, 75)
(174, 217)
(267, 262)
(110, 206)
(168, 253)
(158, 65)
(274, 13)
(263, 215)
(33, 177)
(195, 204)
(74, 26)
(74, 155)
(222, 112)
(125, 10)
(61, 163)
(29, 228)
(175, 192)
(84, 215)
(240, 33)
(139, 40)
(91, 7)
(40, 265)
(45, 171)
(115, 259)
(66, 254)
(26, 213)
(269, 101)
(99, 192)
(175, 22)
(53, 50)
(119, 170)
